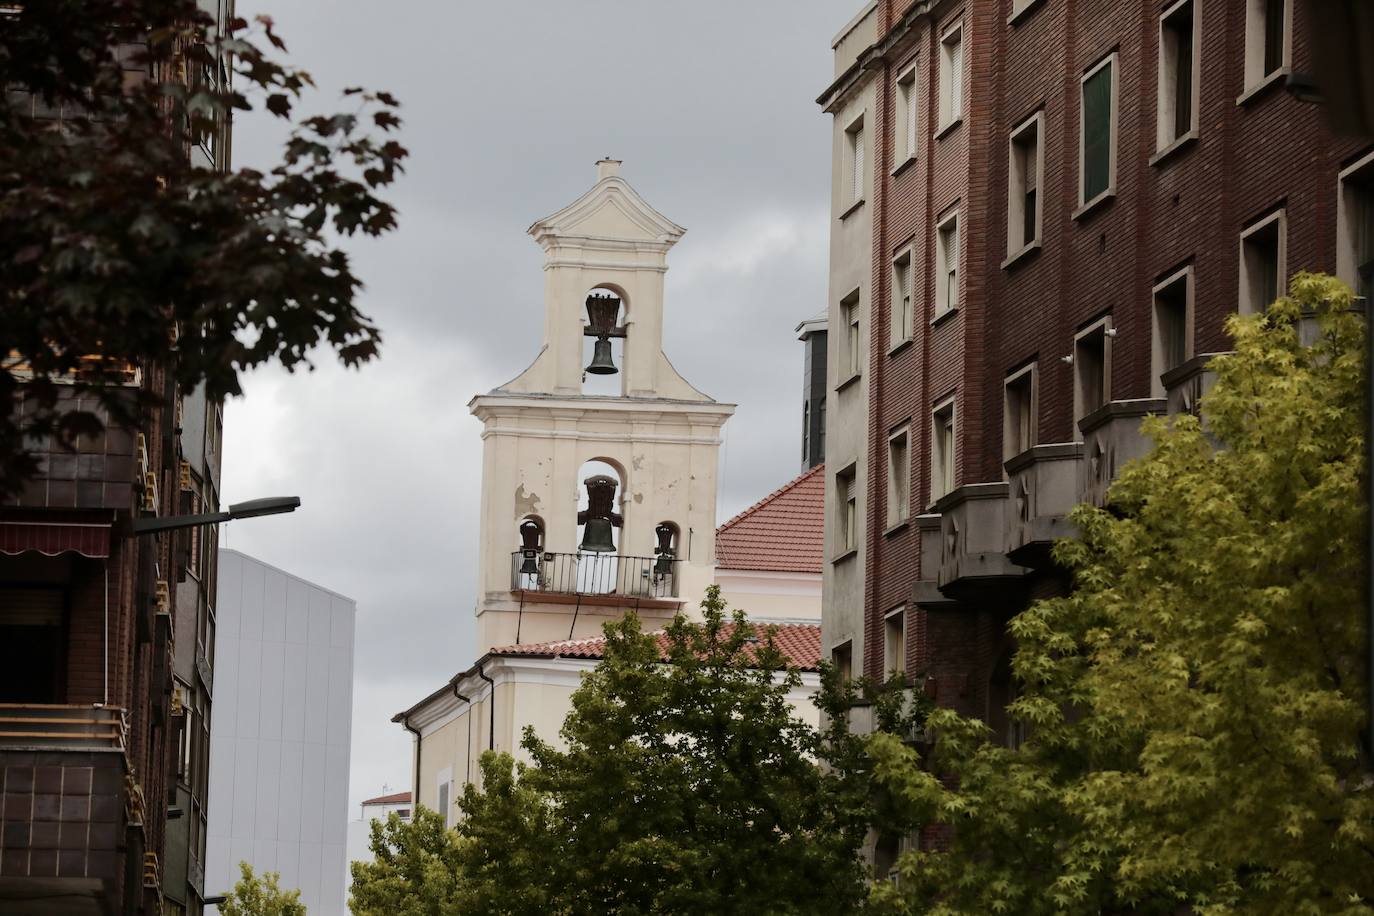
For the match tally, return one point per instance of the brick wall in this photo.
(1187, 208)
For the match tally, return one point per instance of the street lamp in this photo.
(271, 505)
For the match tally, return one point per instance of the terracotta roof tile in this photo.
(799, 642)
(783, 532)
(396, 799)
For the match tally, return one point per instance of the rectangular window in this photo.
(1097, 132)
(1262, 246)
(951, 75)
(1179, 64)
(947, 264)
(842, 657)
(1355, 227)
(1172, 340)
(1025, 165)
(852, 354)
(854, 159)
(903, 309)
(1092, 369)
(942, 450)
(806, 431)
(443, 802)
(1018, 412)
(898, 477)
(905, 113)
(894, 642)
(1268, 39)
(847, 503)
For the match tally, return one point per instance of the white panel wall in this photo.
(279, 736)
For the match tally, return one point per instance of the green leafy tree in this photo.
(1195, 704)
(685, 787)
(112, 233)
(260, 896)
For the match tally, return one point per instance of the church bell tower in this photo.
(599, 460)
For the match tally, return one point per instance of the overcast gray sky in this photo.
(507, 106)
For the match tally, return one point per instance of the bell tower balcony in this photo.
(595, 578)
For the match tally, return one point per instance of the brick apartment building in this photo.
(1044, 210)
(107, 644)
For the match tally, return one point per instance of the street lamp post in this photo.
(271, 505)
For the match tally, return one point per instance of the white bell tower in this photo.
(545, 433)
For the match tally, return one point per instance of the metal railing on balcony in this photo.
(594, 574)
(62, 727)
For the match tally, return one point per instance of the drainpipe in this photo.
(405, 723)
(491, 708)
(467, 756)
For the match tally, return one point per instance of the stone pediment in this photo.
(611, 212)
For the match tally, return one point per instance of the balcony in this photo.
(1044, 488)
(1185, 385)
(973, 540)
(608, 577)
(1111, 439)
(925, 593)
(64, 824)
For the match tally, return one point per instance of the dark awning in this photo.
(89, 539)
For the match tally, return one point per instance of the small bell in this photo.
(601, 363)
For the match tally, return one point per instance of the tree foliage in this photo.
(1195, 704)
(260, 896)
(112, 232)
(686, 787)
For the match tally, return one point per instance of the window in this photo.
(850, 357)
(854, 159)
(847, 503)
(905, 117)
(806, 431)
(942, 450)
(1092, 369)
(842, 657)
(443, 801)
(898, 477)
(1355, 227)
(1018, 412)
(903, 310)
(951, 76)
(1261, 263)
(1172, 341)
(1025, 165)
(1268, 39)
(1179, 63)
(1097, 133)
(894, 642)
(947, 264)
(404, 813)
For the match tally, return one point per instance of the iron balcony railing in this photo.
(62, 727)
(594, 574)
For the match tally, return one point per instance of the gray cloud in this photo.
(507, 106)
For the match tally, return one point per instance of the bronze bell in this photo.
(600, 516)
(531, 533)
(663, 566)
(601, 363)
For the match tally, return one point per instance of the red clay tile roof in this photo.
(799, 642)
(783, 532)
(395, 799)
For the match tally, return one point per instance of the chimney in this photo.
(607, 167)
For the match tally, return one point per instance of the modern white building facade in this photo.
(279, 744)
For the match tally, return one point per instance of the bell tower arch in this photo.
(601, 546)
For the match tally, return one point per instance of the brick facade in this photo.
(1254, 152)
